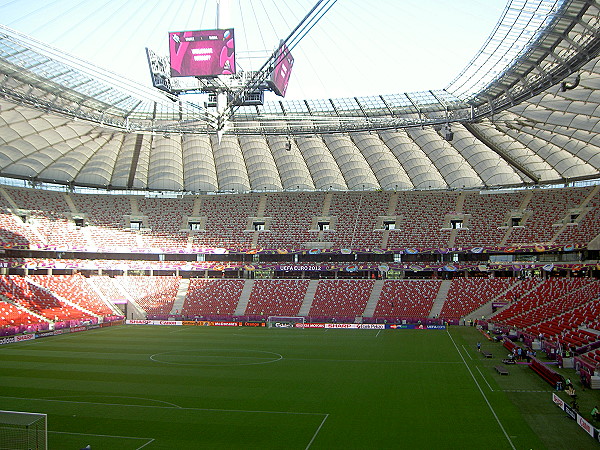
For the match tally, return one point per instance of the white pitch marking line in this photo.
(179, 331)
(467, 352)
(482, 393)
(484, 379)
(372, 361)
(114, 396)
(149, 440)
(524, 390)
(165, 407)
(147, 443)
(102, 435)
(317, 432)
(268, 360)
(378, 333)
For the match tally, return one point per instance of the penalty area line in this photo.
(467, 352)
(149, 440)
(484, 379)
(178, 408)
(317, 432)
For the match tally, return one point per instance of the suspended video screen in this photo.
(202, 53)
(283, 69)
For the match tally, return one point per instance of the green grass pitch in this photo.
(133, 387)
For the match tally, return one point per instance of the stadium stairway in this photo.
(508, 292)
(135, 210)
(135, 311)
(458, 209)
(440, 299)
(15, 210)
(244, 298)
(87, 233)
(100, 294)
(9, 199)
(70, 203)
(594, 243)
(22, 308)
(262, 205)
(581, 206)
(260, 214)
(180, 298)
(62, 299)
(326, 204)
(197, 206)
(590, 330)
(393, 203)
(373, 299)
(486, 309)
(311, 290)
(522, 207)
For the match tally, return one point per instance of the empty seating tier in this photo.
(208, 297)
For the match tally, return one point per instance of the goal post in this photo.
(285, 322)
(23, 430)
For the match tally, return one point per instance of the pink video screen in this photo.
(202, 53)
(283, 69)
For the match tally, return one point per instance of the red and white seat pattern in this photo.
(154, 294)
(407, 299)
(212, 297)
(341, 298)
(276, 297)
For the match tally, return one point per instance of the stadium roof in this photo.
(525, 111)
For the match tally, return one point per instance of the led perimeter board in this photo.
(202, 53)
(283, 69)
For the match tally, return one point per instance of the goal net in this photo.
(285, 322)
(23, 431)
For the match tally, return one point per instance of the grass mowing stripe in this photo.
(482, 393)
(372, 361)
(467, 352)
(110, 436)
(121, 396)
(101, 435)
(164, 407)
(405, 386)
(147, 443)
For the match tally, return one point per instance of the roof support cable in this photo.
(416, 108)
(500, 152)
(305, 25)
